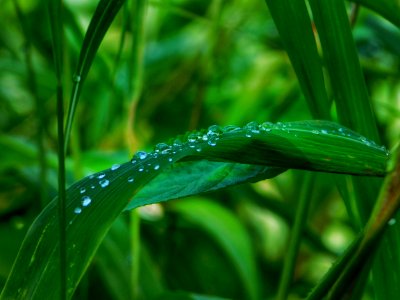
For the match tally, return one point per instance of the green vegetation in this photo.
(199, 149)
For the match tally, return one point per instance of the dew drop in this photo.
(92, 187)
(77, 210)
(252, 128)
(266, 126)
(82, 190)
(392, 221)
(103, 183)
(102, 175)
(133, 161)
(214, 130)
(156, 167)
(170, 159)
(86, 200)
(76, 78)
(324, 131)
(130, 179)
(141, 154)
(140, 169)
(114, 167)
(212, 142)
(315, 131)
(163, 148)
(230, 128)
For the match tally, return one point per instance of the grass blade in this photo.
(389, 9)
(103, 16)
(94, 202)
(294, 26)
(56, 17)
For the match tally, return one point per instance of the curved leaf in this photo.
(94, 202)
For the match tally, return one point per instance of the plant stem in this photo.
(295, 240)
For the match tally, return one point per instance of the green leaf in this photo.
(100, 22)
(389, 9)
(94, 202)
(229, 233)
(294, 26)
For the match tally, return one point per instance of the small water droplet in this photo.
(102, 175)
(392, 221)
(324, 131)
(76, 78)
(82, 190)
(230, 128)
(141, 154)
(198, 149)
(266, 126)
(92, 187)
(86, 200)
(133, 161)
(156, 167)
(114, 167)
(163, 148)
(103, 183)
(77, 210)
(130, 179)
(212, 142)
(170, 159)
(140, 169)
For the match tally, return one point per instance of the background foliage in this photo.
(165, 67)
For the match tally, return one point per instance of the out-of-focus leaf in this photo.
(389, 9)
(94, 202)
(229, 233)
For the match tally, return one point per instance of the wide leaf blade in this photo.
(94, 202)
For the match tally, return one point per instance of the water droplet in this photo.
(133, 161)
(76, 78)
(140, 169)
(198, 149)
(82, 190)
(86, 200)
(230, 128)
(214, 130)
(204, 137)
(252, 128)
(114, 167)
(163, 148)
(156, 167)
(192, 138)
(141, 154)
(130, 179)
(102, 175)
(324, 131)
(170, 159)
(103, 183)
(212, 142)
(92, 187)
(77, 210)
(392, 221)
(266, 126)
(315, 131)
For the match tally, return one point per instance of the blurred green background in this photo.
(204, 63)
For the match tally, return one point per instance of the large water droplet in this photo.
(252, 128)
(114, 167)
(86, 200)
(103, 183)
(77, 210)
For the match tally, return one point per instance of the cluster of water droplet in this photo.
(209, 138)
(102, 181)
